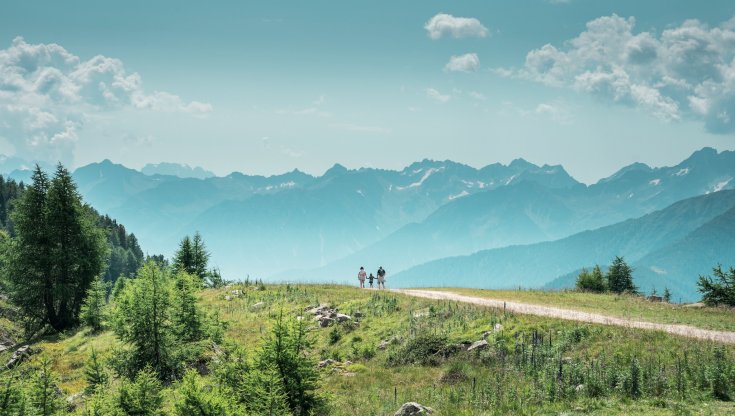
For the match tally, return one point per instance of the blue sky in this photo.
(265, 87)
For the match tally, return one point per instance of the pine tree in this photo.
(186, 317)
(285, 351)
(43, 390)
(92, 313)
(184, 257)
(27, 271)
(200, 257)
(142, 397)
(95, 373)
(57, 252)
(719, 290)
(667, 295)
(142, 318)
(196, 399)
(214, 279)
(592, 281)
(620, 277)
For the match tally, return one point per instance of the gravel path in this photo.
(552, 312)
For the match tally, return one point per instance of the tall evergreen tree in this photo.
(27, 272)
(95, 373)
(620, 277)
(43, 390)
(719, 290)
(142, 318)
(186, 317)
(184, 257)
(92, 313)
(200, 256)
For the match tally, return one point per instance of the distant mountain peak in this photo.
(180, 170)
(521, 163)
(335, 170)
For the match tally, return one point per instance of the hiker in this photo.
(370, 279)
(381, 277)
(361, 275)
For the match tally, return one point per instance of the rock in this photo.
(383, 345)
(567, 360)
(20, 355)
(485, 334)
(346, 363)
(228, 298)
(236, 292)
(319, 310)
(478, 345)
(75, 400)
(326, 363)
(348, 374)
(299, 318)
(4, 347)
(579, 388)
(325, 322)
(413, 408)
(464, 346)
(342, 317)
(257, 306)
(497, 328)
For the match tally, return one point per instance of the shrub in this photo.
(423, 349)
(718, 291)
(593, 281)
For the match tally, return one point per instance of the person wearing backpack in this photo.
(381, 277)
(361, 275)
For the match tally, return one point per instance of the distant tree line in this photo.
(618, 278)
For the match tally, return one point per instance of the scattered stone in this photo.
(485, 334)
(342, 317)
(20, 355)
(478, 345)
(299, 318)
(383, 345)
(413, 408)
(319, 310)
(579, 388)
(567, 360)
(257, 306)
(236, 292)
(325, 321)
(75, 400)
(498, 328)
(228, 298)
(326, 363)
(348, 374)
(346, 363)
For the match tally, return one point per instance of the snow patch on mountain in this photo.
(423, 179)
(459, 195)
(682, 172)
(655, 182)
(721, 185)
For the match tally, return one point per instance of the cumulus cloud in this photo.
(47, 94)
(468, 62)
(437, 96)
(686, 71)
(457, 27)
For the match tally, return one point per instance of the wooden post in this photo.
(395, 395)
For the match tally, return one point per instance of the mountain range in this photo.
(424, 222)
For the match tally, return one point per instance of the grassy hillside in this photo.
(517, 374)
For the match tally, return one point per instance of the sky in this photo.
(265, 87)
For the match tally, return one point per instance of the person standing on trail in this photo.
(381, 277)
(361, 275)
(370, 279)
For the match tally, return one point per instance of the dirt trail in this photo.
(572, 315)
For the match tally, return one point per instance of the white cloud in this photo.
(686, 71)
(556, 112)
(457, 27)
(437, 96)
(47, 93)
(468, 62)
